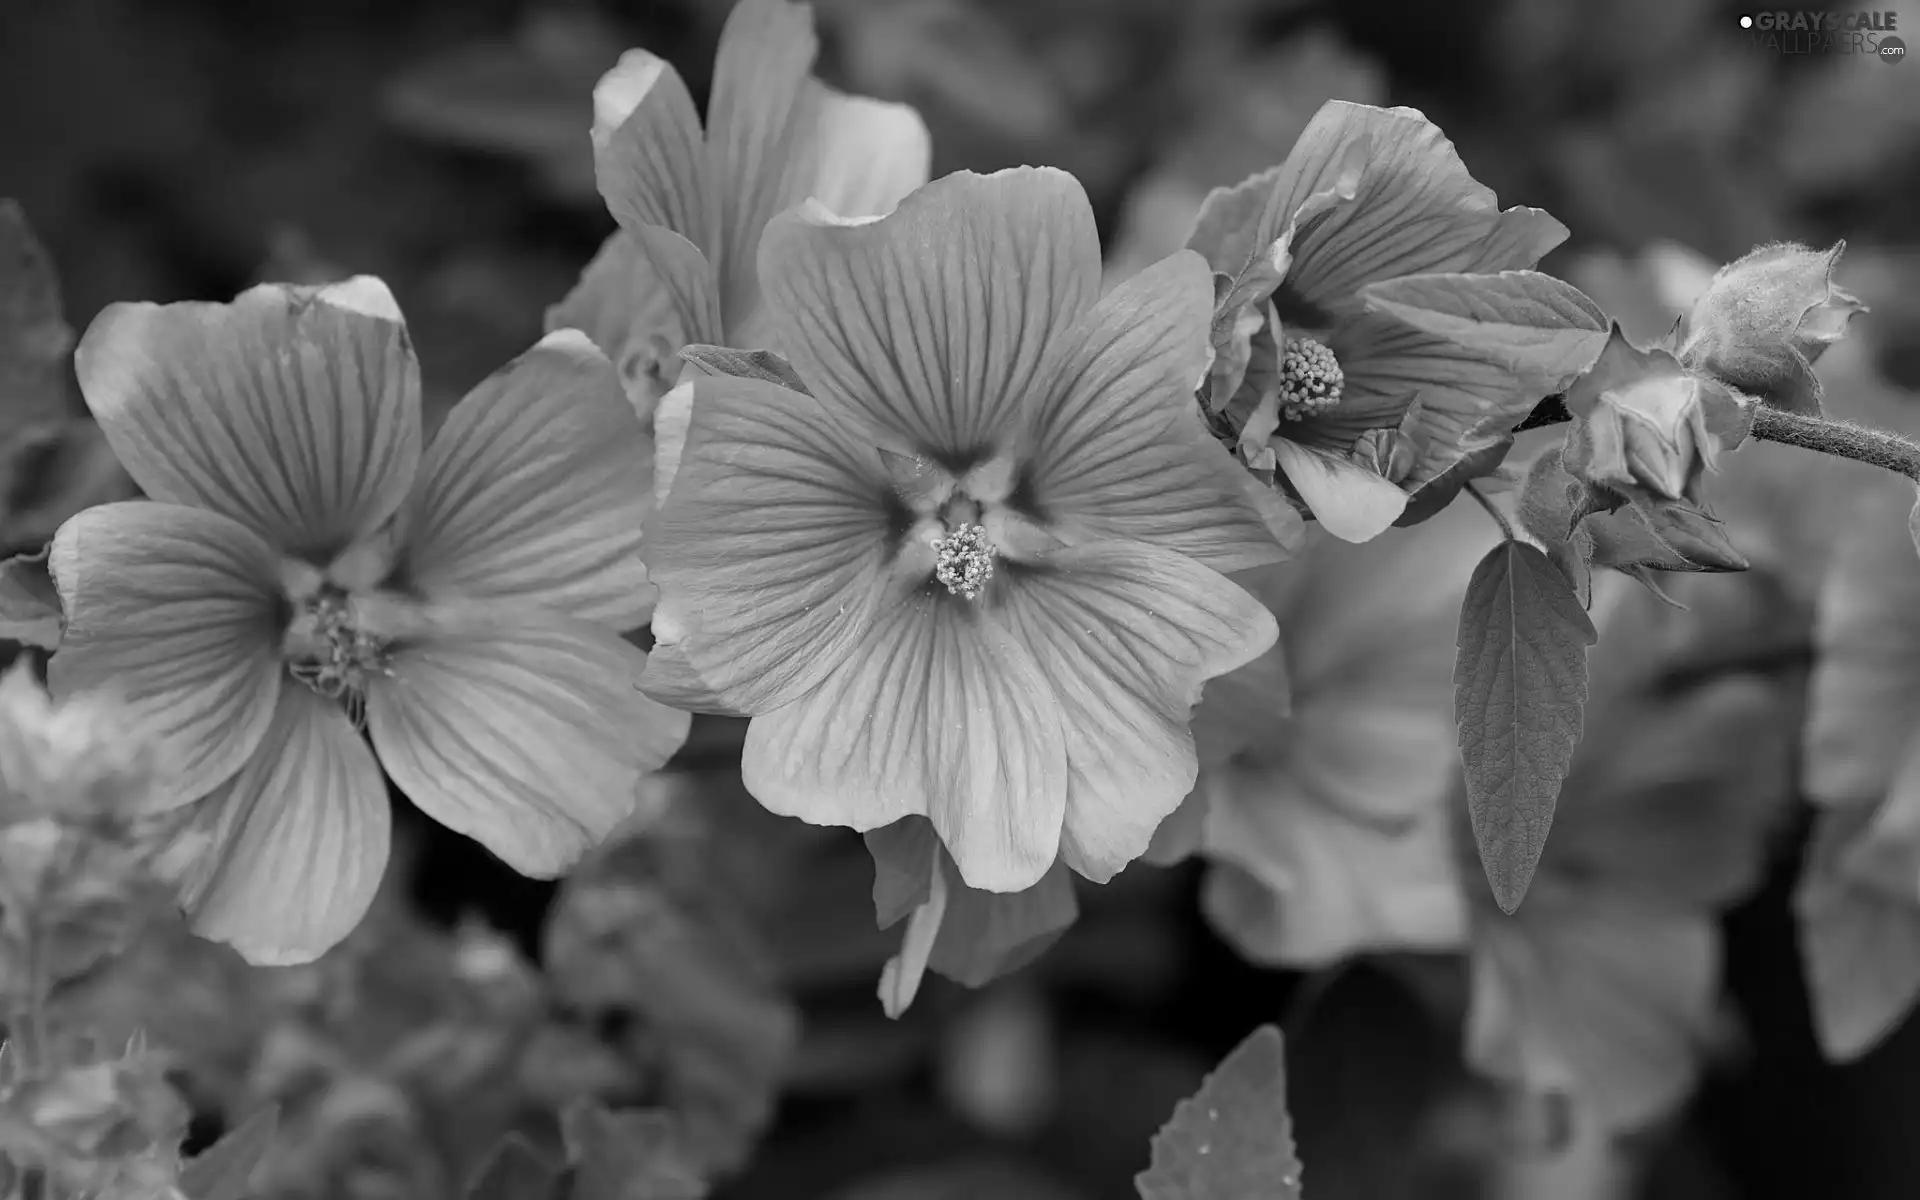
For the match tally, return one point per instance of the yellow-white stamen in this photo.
(963, 560)
(1310, 378)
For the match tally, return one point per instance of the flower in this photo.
(1306, 370)
(681, 269)
(1326, 817)
(299, 556)
(964, 371)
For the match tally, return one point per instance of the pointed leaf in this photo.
(224, 1170)
(1520, 686)
(29, 603)
(1233, 1139)
(1528, 322)
(1650, 533)
(745, 364)
(1443, 489)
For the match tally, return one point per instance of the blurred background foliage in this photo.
(720, 963)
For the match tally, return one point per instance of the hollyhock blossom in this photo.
(691, 204)
(300, 557)
(974, 575)
(1350, 407)
(1327, 766)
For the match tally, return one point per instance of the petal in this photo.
(529, 741)
(1354, 503)
(1864, 707)
(1126, 634)
(935, 710)
(301, 839)
(672, 680)
(1120, 451)
(172, 608)
(293, 410)
(760, 119)
(941, 321)
(1447, 401)
(989, 934)
(672, 421)
(648, 153)
(535, 490)
(621, 304)
(772, 543)
(1416, 209)
(870, 154)
(900, 977)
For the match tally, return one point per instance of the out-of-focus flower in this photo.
(300, 559)
(1328, 820)
(691, 205)
(109, 1129)
(975, 574)
(1766, 319)
(1304, 370)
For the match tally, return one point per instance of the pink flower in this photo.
(299, 553)
(975, 574)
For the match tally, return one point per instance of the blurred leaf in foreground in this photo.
(1233, 1140)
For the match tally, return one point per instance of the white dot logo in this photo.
(1746, 22)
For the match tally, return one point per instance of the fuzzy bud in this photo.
(1766, 319)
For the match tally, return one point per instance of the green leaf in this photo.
(1443, 489)
(1520, 684)
(515, 1171)
(224, 1170)
(29, 603)
(763, 365)
(636, 1154)
(1528, 322)
(1233, 1139)
(1859, 930)
(1649, 533)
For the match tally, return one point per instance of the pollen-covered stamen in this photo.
(1310, 378)
(328, 652)
(964, 561)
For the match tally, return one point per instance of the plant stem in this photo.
(1499, 518)
(1841, 439)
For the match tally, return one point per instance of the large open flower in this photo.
(1327, 765)
(1367, 195)
(681, 269)
(975, 574)
(299, 556)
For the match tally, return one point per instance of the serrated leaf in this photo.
(1233, 1139)
(29, 604)
(224, 1170)
(1527, 321)
(515, 1171)
(763, 365)
(637, 1154)
(1520, 685)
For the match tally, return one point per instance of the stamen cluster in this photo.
(965, 561)
(1310, 379)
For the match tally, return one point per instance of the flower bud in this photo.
(1766, 319)
(1643, 425)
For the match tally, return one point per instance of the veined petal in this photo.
(300, 842)
(1354, 503)
(771, 547)
(621, 304)
(945, 322)
(535, 490)
(761, 119)
(1416, 209)
(173, 609)
(870, 154)
(672, 680)
(648, 154)
(528, 740)
(934, 710)
(293, 410)
(672, 420)
(1119, 448)
(1126, 634)
(1452, 400)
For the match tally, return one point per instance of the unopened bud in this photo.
(1645, 425)
(1766, 319)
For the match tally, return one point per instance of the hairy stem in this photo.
(1842, 439)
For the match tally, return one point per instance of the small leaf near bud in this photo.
(1766, 319)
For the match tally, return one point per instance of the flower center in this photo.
(1310, 378)
(326, 649)
(963, 560)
